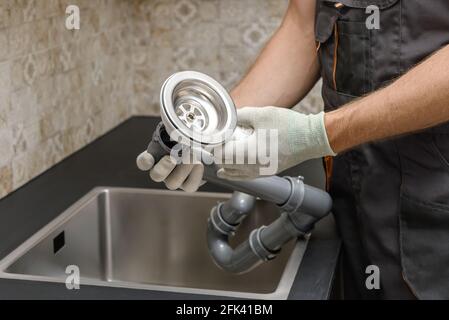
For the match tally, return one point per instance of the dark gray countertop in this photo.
(110, 161)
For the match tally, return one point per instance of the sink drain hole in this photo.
(58, 242)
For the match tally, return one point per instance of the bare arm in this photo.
(418, 100)
(288, 66)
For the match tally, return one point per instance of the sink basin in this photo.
(151, 240)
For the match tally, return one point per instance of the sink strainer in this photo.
(196, 107)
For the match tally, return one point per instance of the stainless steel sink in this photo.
(148, 239)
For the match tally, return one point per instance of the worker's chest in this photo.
(363, 45)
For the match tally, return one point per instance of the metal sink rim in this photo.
(282, 291)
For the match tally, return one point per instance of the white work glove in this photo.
(300, 137)
(187, 177)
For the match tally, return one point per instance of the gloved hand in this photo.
(300, 137)
(187, 177)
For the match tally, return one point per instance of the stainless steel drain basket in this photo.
(196, 108)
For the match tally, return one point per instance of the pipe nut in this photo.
(258, 247)
(219, 223)
(296, 197)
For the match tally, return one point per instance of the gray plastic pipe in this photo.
(301, 205)
(304, 207)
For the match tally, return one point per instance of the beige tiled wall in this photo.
(61, 89)
(219, 37)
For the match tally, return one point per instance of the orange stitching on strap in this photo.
(328, 163)
(334, 72)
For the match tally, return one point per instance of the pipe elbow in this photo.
(316, 202)
(219, 248)
(242, 202)
(238, 261)
(237, 208)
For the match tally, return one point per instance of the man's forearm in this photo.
(288, 67)
(417, 100)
